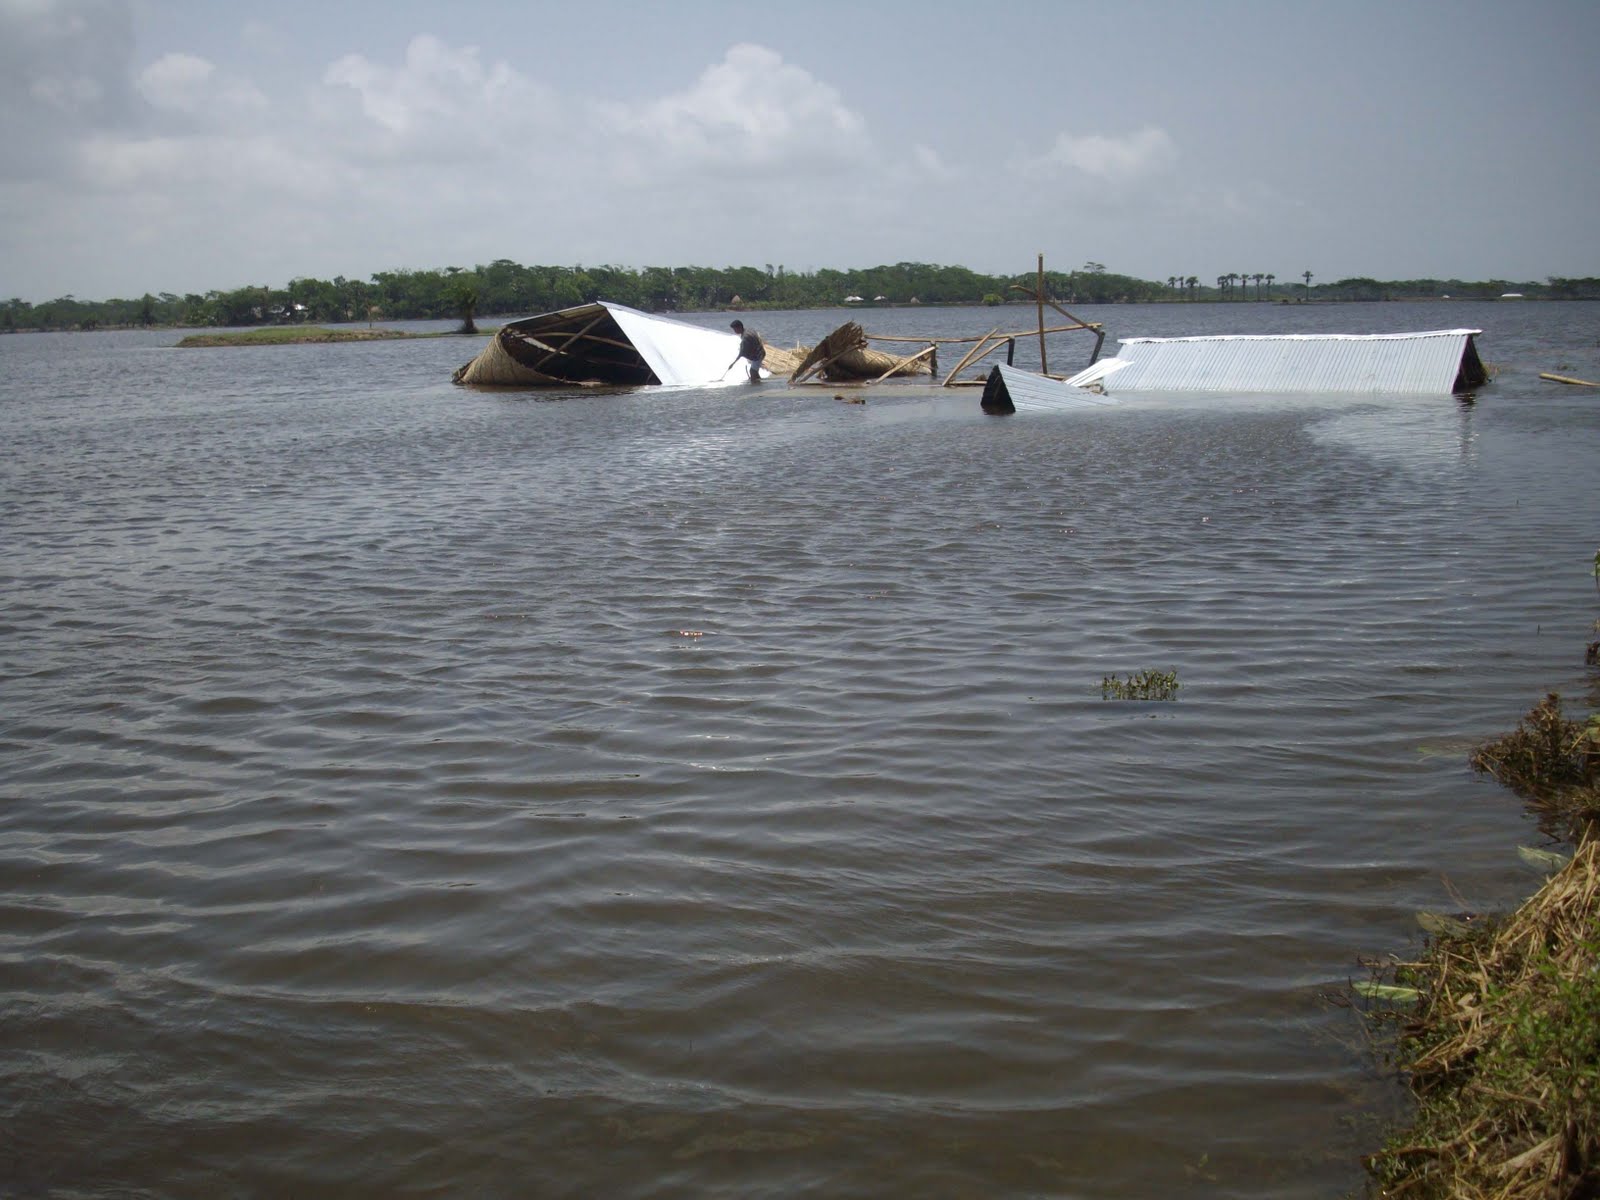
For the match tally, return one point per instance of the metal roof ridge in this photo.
(1302, 337)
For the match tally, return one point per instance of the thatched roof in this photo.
(844, 356)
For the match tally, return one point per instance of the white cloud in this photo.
(176, 81)
(254, 167)
(191, 86)
(63, 72)
(1136, 155)
(750, 112)
(435, 85)
(64, 55)
(928, 160)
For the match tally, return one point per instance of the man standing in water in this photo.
(751, 348)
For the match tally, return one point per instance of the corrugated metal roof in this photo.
(1430, 361)
(1032, 392)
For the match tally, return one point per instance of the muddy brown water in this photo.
(413, 791)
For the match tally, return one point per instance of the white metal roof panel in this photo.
(1299, 362)
(679, 352)
(1030, 391)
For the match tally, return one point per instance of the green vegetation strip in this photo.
(506, 287)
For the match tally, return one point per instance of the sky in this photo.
(195, 145)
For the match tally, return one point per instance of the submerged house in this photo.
(1436, 361)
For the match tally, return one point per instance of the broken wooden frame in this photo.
(981, 347)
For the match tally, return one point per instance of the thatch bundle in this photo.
(496, 367)
(783, 362)
(1505, 1053)
(844, 356)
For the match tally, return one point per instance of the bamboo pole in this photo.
(571, 337)
(1566, 379)
(1081, 322)
(956, 341)
(987, 350)
(905, 362)
(971, 354)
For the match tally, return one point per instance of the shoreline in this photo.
(1501, 1054)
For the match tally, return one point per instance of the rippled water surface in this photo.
(413, 791)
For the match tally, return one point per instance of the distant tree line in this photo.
(507, 288)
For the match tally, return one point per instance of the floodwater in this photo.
(411, 791)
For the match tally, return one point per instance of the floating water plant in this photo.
(1146, 685)
(1550, 760)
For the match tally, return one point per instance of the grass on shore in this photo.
(1503, 1049)
(1503, 1053)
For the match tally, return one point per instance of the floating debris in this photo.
(1146, 685)
(1391, 992)
(1545, 860)
(1438, 924)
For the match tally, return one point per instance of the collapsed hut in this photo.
(611, 345)
(607, 344)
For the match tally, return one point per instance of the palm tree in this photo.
(1270, 278)
(464, 296)
(1192, 283)
(1222, 284)
(1258, 277)
(1307, 278)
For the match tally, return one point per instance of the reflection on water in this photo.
(411, 790)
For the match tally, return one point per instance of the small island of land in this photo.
(285, 335)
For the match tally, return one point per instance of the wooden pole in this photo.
(1566, 379)
(1044, 363)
